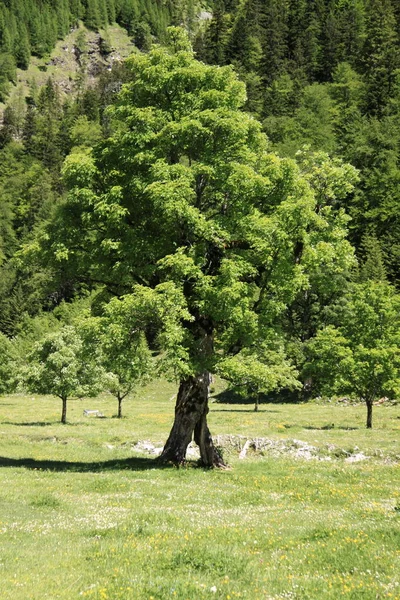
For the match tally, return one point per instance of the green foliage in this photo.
(145, 310)
(9, 365)
(27, 197)
(381, 56)
(34, 27)
(326, 76)
(85, 133)
(125, 356)
(93, 15)
(311, 122)
(214, 40)
(183, 208)
(261, 371)
(7, 74)
(372, 266)
(360, 353)
(62, 365)
(184, 168)
(142, 36)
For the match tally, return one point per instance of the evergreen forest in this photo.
(226, 201)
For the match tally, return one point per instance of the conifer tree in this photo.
(37, 35)
(111, 11)
(22, 50)
(297, 25)
(93, 15)
(63, 18)
(351, 24)
(77, 10)
(372, 265)
(103, 11)
(380, 55)
(273, 17)
(7, 73)
(312, 38)
(215, 37)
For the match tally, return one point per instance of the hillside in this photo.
(66, 62)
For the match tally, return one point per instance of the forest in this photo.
(225, 201)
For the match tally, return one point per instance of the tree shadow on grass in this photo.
(231, 396)
(245, 410)
(40, 423)
(129, 464)
(327, 427)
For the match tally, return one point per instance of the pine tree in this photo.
(380, 55)
(272, 25)
(103, 11)
(351, 23)
(63, 19)
(7, 73)
(111, 12)
(77, 10)
(37, 35)
(215, 37)
(93, 15)
(372, 264)
(5, 37)
(312, 38)
(297, 24)
(347, 90)
(128, 14)
(330, 45)
(29, 128)
(22, 51)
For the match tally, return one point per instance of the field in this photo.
(84, 514)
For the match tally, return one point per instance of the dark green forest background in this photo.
(321, 75)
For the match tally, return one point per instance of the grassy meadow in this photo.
(84, 515)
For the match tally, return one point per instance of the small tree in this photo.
(361, 354)
(259, 372)
(126, 357)
(61, 364)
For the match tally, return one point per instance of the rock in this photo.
(193, 451)
(205, 15)
(356, 457)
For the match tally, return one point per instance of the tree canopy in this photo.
(359, 352)
(62, 364)
(183, 201)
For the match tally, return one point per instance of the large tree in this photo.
(203, 235)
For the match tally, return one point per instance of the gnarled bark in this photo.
(191, 421)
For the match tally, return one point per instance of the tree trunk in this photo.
(369, 413)
(119, 406)
(64, 411)
(256, 403)
(191, 421)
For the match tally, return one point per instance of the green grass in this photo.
(82, 516)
